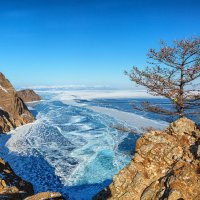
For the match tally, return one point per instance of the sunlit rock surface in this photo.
(165, 166)
(13, 111)
(28, 95)
(11, 185)
(46, 196)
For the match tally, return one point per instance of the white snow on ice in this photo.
(99, 94)
(130, 119)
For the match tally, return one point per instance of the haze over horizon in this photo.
(63, 42)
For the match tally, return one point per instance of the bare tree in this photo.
(172, 72)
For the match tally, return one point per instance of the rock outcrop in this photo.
(28, 95)
(46, 196)
(166, 166)
(13, 111)
(11, 185)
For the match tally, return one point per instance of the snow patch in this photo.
(4, 89)
(95, 94)
(130, 119)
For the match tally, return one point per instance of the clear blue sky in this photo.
(55, 42)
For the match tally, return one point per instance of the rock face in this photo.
(166, 166)
(11, 185)
(28, 95)
(13, 111)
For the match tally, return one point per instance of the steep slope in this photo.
(165, 166)
(28, 95)
(13, 111)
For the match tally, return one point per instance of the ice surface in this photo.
(93, 94)
(68, 149)
(130, 119)
(72, 147)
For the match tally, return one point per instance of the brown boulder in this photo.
(46, 196)
(165, 166)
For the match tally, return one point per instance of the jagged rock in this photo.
(12, 186)
(13, 111)
(28, 95)
(46, 196)
(166, 166)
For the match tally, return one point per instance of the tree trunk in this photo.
(181, 100)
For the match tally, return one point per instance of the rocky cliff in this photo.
(13, 111)
(166, 166)
(28, 95)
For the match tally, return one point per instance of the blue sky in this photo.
(91, 42)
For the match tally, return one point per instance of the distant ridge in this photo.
(28, 95)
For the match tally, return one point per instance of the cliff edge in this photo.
(13, 111)
(166, 166)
